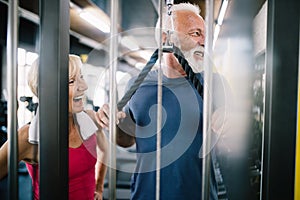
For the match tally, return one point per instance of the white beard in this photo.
(196, 64)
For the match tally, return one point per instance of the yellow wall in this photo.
(297, 172)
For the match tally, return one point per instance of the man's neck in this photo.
(172, 68)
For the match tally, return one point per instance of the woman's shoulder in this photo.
(23, 132)
(27, 152)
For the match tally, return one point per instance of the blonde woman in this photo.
(87, 142)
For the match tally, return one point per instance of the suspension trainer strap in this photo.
(138, 81)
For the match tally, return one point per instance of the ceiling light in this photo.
(95, 21)
(222, 12)
(220, 21)
(216, 34)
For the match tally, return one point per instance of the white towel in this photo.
(86, 125)
(34, 127)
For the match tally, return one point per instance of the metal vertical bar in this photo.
(207, 103)
(12, 43)
(53, 99)
(281, 99)
(159, 106)
(114, 7)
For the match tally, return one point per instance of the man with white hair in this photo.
(182, 116)
(189, 33)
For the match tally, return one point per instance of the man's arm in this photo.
(124, 139)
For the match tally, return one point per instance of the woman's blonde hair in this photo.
(32, 78)
(75, 65)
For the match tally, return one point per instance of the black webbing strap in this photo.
(138, 81)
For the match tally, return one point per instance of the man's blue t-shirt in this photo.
(181, 140)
